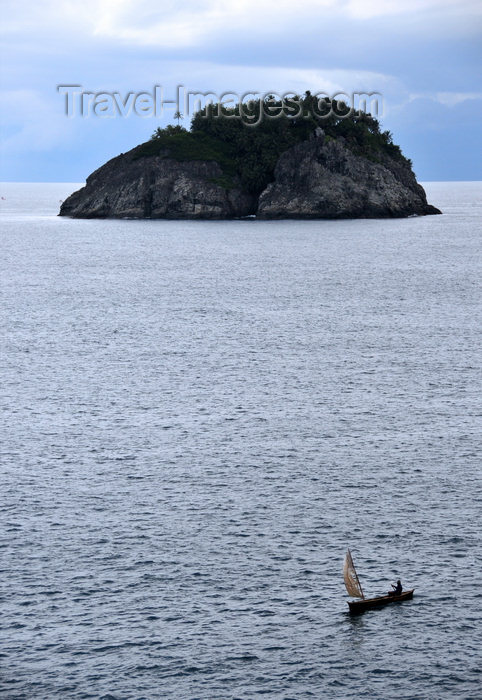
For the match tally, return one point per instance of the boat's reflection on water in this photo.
(356, 620)
(354, 638)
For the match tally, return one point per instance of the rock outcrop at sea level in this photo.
(319, 178)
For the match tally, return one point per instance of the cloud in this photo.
(422, 52)
(454, 98)
(443, 140)
(30, 122)
(177, 25)
(391, 8)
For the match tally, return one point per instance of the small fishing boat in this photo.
(353, 587)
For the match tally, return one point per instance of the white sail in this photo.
(352, 584)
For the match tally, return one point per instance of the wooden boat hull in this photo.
(369, 603)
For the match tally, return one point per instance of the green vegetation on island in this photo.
(247, 140)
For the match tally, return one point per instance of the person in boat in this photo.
(397, 590)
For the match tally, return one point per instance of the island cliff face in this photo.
(156, 187)
(316, 179)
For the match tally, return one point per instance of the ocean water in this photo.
(198, 418)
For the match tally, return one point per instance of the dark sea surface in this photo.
(198, 418)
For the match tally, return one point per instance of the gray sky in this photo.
(423, 56)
